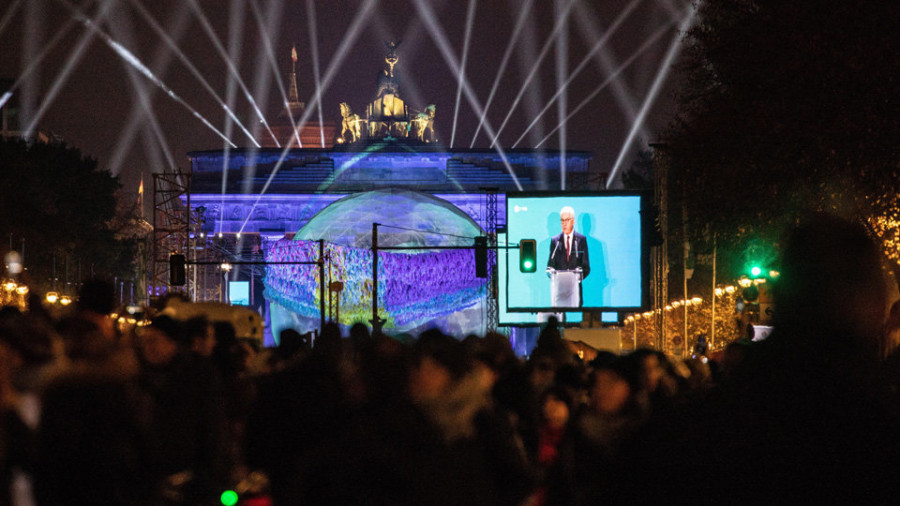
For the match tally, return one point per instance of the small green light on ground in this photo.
(756, 271)
(229, 498)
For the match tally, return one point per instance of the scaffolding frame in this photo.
(490, 221)
(172, 221)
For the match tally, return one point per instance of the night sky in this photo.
(98, 100)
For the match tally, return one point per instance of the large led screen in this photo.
(589, 252)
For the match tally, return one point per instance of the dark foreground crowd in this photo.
(177, 412)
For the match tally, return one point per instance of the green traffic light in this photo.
(527, 255)
(229, 498)
(755, 271)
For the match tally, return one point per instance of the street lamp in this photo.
(226, 268)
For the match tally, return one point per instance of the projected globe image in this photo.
(417, 288)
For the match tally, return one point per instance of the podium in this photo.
(564, 287)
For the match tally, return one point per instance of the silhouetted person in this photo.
(298, 409)
(26, 349)
(802, 419)
(201, 335)
(359, 338)
(96, 300)
(555, 457)
(186, 409)
(93, 448)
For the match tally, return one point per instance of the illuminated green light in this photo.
(528, 264)
(755, 271)
(229, 498)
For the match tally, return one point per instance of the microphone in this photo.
(554, 250)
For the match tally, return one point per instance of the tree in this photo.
(63, 208)
(787, 108)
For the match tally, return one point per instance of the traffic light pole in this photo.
(377, 322)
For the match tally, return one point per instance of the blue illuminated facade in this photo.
(274, 192)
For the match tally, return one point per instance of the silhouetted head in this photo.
(201, 335)
(612, 385)
(438, 362)
(98, 296)
(28, 337)
(291, 343)
(359, 335)
(556, 407)
(831, 282)
(162, 340)
(329, 342)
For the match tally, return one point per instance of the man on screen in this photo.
(568, 263)
(569, 250)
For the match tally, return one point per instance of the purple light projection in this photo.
(414, 288)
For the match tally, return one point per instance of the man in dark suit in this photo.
(569, 249)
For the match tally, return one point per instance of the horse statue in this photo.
(424, 121)
(350, 123)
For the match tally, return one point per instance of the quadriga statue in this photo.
(424, 121)
(349, 124)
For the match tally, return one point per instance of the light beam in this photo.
(588, 25)
(143, 104)
(674, 48)
(129, 57)
(190, 66)
(634, 56)
(314, 44)
(264, 32)
(36, 61)
(7, 17)
(560, 23)
(517, 30)
(162, 58)
(73, 59)
(207, 27)
(562, 63)
(343, 50)
(440, 38)
(598, 45)
(470, 21)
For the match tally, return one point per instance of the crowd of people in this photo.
(178, 411)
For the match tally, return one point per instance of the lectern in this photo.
(564, 287)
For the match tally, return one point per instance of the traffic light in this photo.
(755, 271)
(527, 255)
(759, 261)
(176, 269)
(761, 271)
(481, 257)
